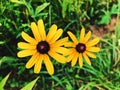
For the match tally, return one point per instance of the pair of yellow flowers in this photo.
(43, 46)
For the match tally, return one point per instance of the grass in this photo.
(16, 16)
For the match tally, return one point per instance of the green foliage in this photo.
(3, 82)
(40, 8)
(2, 42)
(16, 16)
(30, 85)
(105, 19)
(33, 13)
(8, 59)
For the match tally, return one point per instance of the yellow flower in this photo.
(82, 48)
(42, 46)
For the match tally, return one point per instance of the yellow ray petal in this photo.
(24, 45)
(93, 49)
(29, 39)
(32, 60)
(74, 60)
(90, 54)
(57, 57)
(69, 44)
(25, 53)
(51, 32)
(34, 29)
(80, 61)
(92, 42)
(59, 42)
(87, 36)
(38, 64)
(56, 36)
(82, 34)
(48, 64)
(87, 59)
(71, 55)
(41, 29)
(72, 36)
(61, 50)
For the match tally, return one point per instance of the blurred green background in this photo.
(102, 17)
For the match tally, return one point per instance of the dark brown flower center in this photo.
(43, 47)
(80, 47)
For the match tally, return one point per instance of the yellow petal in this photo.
(92, 42)
(38, 64)
(69, 44)
(48, 64)
(29, 39)
(93, 49)
(61, 50)
(82, 34)
(41, 29)
(25, 53)
(72, 36)
(90, 54)
(74, 60)
(51, 33)
(57, 57)
(71, 55)
(87, 36)
(34, 29)
(87, 59)
(24, 45)
(56, 36)
(60, 42)
(80, 60)
(32, 60)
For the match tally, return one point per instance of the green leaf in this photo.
(57, 80)
(91, 2)
(64, 8)
(114, 9)
(7, 59)
(30, 85)
(30, 8)
(68, 86)
(105, 18)
(2, 42)
(41, 7)
(27, 4)
(3, 82)
(67, 5)
(17, 1)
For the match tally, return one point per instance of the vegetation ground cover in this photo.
(102, 17)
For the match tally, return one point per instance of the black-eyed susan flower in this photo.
(82, 49)
(42, 47)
